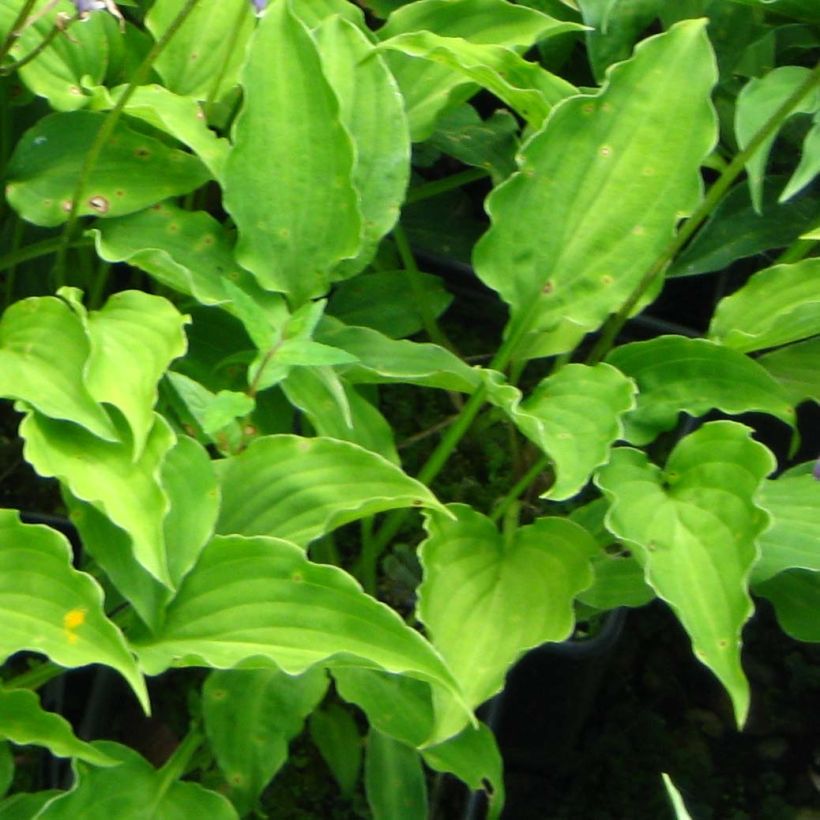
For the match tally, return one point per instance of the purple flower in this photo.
(816, 471)
(259, 5)
(86, 6)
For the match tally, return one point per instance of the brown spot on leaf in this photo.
(99, 204)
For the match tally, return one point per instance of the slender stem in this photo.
(798, 250)
(710, 202)
(175, 767)
(38, 249)
(213, 93)
(519, 487)
(36, 677)
(16, 28)
(42, 46)
(95, 296)
(11, 276)
(105, 132)
(441, 186)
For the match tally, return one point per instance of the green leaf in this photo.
(693, 526)
(336, 735)
(758, 100)
(300, 488)
(49, 607)
(429, 89)
(473, 757)
(394, 779)
(250, 717)
(386, 301)
(106, 475)
(314, 12)
(188, 251)
(259, 602)
(809, 166)
(525, 87)
(793, 538)
(573, 233)
(675, 798)
(675, 375)
(204, 57)
(25, 806)
(574, 416)
(133, 171)
(795, 595)
(300, 217)
(6, 769)
(776, 306)
(24, 721)
(797, 368)
(134, 789)
(486, 598)
(372, 110)
(43, 354)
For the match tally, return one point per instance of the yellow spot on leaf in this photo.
(73, 619)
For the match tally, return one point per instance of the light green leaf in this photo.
(227, 407)
(250, 717)
(134, 338)
(573, 233)
(428, 88)
(24, 721)
(485, 598)
(105, 475)
(793, 538)
(797, 368)
(300, 488)
(394, 779)
(473, 757)
(270, 367)
(693, 526)
(675, 375)
(134, 789)
(188, 251)
(574, 416)
(314, 12)
(528, 89)
(809, 166)
(133, 171)
(259, 602)
(336, 735)
(795, 595)
(675, 798)
(25, 806)
(776, 306)
(372, 110)
(49, 607)
(43, 354)
(757, 102)
(204, 56)
(300, 216)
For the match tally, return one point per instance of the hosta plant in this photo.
(334, 322)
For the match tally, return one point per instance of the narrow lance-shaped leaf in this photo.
(573, 232)
(394, 779)
(334, 731)
(300, 216)
(301, 488)
(48, 606)
(694, 376)
(693, 526)
(776, 306)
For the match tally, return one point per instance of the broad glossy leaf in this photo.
(525, 87)
(300, 216)
(336, 735)
(793, 538)
(473, 757)
(134, 338)
(188, 251)
(428, 89)
(574, 416)
(24, 721)
(756, 103)
(204, 57)
(105, 474)
(486, 599)
(795, 595)
(693, 526)
(372, 109)
(49, 607)
(260, 602)
(797, 368)
(133, 171)
(43, 353)
(134, 789)
(25, 805)
(675, 375)
(386, 301)
(250, 717)
(300, 488)
(394, 779)
(384, 360)
(573, 233)
(776, 306)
